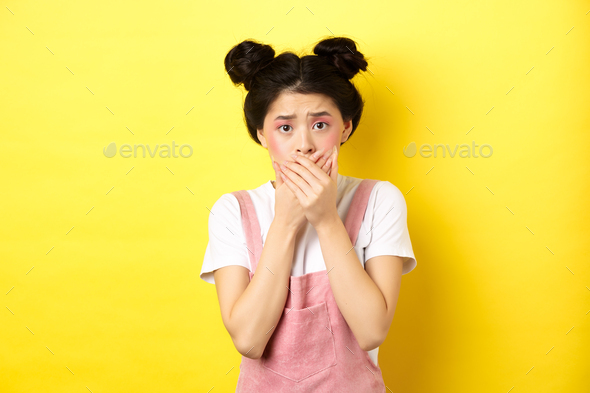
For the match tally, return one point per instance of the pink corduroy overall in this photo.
(312, 348)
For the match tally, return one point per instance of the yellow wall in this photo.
(100, 257)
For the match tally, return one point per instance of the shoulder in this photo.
(229, 202)
(224, 215)
(386, 196)
(226, 204)
(384, 189)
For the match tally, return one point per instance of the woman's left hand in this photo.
(315, 189)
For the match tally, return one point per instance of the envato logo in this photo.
(125, 151)
(465, 151)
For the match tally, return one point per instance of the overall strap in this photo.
(251, 227)
(358, 206)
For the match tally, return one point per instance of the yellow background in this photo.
(100, 257)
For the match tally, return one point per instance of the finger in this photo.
(293, 187)
(308, 170)
(319, 157)
(329, 161)
(323, 161)
(295, 172)
(327, 166)
(334, 167)
(278, 178)
(317, 154)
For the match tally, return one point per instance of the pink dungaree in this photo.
(312, 348)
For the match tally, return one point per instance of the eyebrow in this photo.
(317, 114)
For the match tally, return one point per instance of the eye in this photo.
(325, 125)
(322, 122)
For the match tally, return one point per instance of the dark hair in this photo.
(266, 77)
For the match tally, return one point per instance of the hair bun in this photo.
(245, 59)
(342, 53)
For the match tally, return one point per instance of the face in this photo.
(302, 124)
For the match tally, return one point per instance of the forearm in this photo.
(359, 299)
(259, 308)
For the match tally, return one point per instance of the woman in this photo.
(306, 313)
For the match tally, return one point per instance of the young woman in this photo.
(306, 313)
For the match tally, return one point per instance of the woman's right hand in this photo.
(287, 207)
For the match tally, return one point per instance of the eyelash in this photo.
(326, 125)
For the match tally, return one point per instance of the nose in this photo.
(306, 146)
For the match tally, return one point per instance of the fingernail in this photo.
(294, 156)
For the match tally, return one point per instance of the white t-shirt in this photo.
(386, 213)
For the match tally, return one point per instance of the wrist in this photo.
(329, 224)
(287, 232)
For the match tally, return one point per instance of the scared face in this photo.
(302, 124)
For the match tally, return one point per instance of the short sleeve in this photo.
(389, 233)
(227, 245)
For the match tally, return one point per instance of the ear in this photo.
(262, 139)
(347, 131)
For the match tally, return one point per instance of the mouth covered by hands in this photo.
(313, 184)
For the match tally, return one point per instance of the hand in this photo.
(315, 190)
(287, 207)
